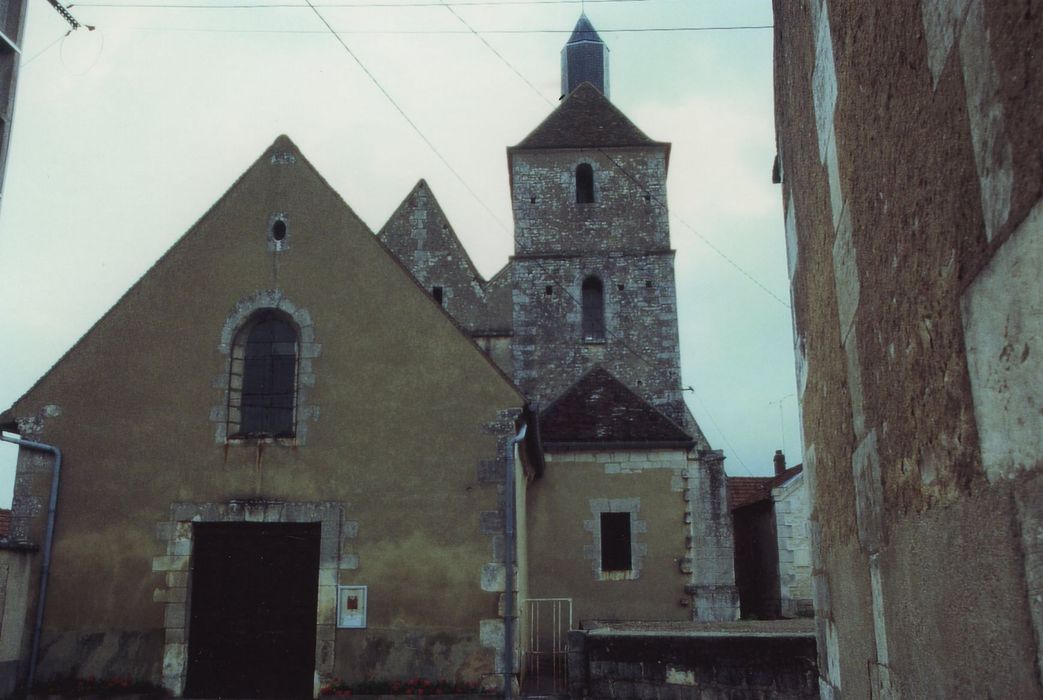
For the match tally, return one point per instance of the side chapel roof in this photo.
(600, 409)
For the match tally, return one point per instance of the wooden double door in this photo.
(252, 617)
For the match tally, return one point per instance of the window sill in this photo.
(594, 341)
(621, 575)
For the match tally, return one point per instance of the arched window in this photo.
(593, 309)
(584, 183)
(264, 357)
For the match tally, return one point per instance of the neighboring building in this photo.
(909, 137)
(285, 449)
(12, 25)
(772, 551)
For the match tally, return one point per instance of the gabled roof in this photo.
(599, 409)
(399, 236)
(747, 490)
(584, 31)
(586, 119)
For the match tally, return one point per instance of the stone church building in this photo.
(295, 450)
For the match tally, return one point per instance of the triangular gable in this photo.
(342, 224)
(420, 236)
(599, 409)
(586, 119)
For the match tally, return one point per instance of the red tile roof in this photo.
(5, 522)
(745, 490)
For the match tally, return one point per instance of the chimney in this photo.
(780, 462)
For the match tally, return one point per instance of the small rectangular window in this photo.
(615, 542)
(436, 292)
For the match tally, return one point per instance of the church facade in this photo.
(295, 451)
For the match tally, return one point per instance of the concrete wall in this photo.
(908, 137)
(401, 432)
(792, 510)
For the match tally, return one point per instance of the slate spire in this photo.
(584, 59)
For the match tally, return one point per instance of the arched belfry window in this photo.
(593, 309)
(584, 183)
(264, 377)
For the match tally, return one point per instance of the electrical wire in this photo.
(402, 112)
(385, 4)
(651, 196)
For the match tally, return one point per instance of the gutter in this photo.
(509, 544)
(47, 541)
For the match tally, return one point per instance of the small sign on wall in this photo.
(351, 606)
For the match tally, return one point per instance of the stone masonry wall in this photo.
(623, 238)
(665, 667)
(791, 528)
(640, 346)
(909, 138)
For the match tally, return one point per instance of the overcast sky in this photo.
(124, 136)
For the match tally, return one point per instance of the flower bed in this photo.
(415, 686)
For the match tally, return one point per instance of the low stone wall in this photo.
(647, 665)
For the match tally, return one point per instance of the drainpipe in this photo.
(508, 556)
(48, 538)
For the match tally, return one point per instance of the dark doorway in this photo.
(254, 595)
(757, 561)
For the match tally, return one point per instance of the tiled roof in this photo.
(746, 490)
(585, 119)
(599, 408)
(5, 522)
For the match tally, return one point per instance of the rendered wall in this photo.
(657, 488)
(909, 136)
(402, 428)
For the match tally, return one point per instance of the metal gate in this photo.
(545, 625)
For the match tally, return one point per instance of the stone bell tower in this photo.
(593, 270)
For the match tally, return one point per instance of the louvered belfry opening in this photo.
(593, 309)
(266, 355)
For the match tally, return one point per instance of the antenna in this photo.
(782, 422)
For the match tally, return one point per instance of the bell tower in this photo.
(593, 270)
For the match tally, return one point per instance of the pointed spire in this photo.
(584, 59)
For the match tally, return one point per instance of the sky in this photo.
(124, 136)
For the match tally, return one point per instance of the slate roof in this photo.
(747, 490)
(600, 409)
(586, 119)
(584, 31)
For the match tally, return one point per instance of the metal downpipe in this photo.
(47, 540)
(508, 556)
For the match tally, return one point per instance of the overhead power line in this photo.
(323, 6)
(402, 112)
